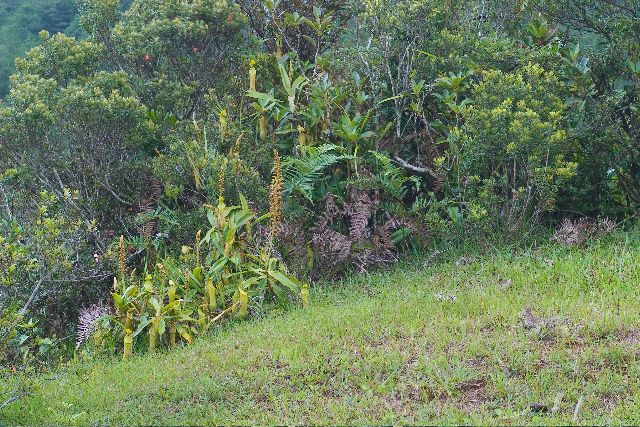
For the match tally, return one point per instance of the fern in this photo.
(302, 174)
(391, 179)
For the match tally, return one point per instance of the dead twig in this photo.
(11, 400)
(576, 411)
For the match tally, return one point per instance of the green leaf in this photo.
(184, 334)
(400, 235)
(243, 202)
(246, 284)
(167, 308)
(285, 280)
(279, 292)
(144, 322)
(197, 273)
(154, 302)
(391, 98)
(211, 217)
(162, 327)
(118, 301)
(217, 266)
(263, 217)
(131, 291)
(244, 219)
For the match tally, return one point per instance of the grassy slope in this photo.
(388, 349)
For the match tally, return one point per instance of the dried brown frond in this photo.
(335, 247)
(330, 213)
(87, 321)
(606, 226)
(577, 232)
(360, 209)
(381, 250)
(366, 243)
(292, 243)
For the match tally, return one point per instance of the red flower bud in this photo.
(147, 58)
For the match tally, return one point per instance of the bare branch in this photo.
(11, 400)
(418, 169)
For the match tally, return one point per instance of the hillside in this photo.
(319, 212)
(20, 23)
(445, 343)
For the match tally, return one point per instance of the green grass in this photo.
(435, 345)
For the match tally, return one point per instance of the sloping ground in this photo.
(446, 344)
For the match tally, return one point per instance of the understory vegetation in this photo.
(173, 167)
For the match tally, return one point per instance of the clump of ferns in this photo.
(355, 233)
(579, 231)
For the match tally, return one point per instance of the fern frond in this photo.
(303, 174)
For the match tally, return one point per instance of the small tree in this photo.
(512, 152)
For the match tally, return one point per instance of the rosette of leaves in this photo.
(237, 263)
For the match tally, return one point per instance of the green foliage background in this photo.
(20, 23)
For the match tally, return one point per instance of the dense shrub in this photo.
(42, 272)
(512, 153)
